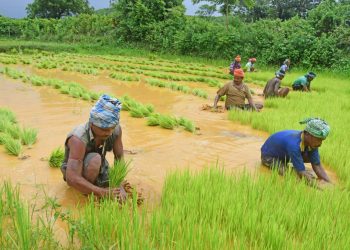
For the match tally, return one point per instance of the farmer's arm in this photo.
(222, 91)
(217, 98)
(118, 149)
(250, 100)
(74, 172)
(298, 164)
(317, 166)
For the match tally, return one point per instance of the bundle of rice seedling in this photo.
(8, 115)
(13, 147)
(137, 112)
(56, 158)
(167, 122)
(3, 138)
(14, 131)
(153, 120)
(29, 136)
(118, 173)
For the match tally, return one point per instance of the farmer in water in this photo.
(297, 147)
(85, 167)
(236, 64)
(303, 83)
(236, 92)
(273, 87)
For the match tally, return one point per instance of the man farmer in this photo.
(236, 92)
(85, 167)
(303, 83)
(297, 147)
(236, 64)
(250, 65)
(273, 87)
(285, 66)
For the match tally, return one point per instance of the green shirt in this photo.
(301, 82)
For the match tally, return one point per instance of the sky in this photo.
(17, 8)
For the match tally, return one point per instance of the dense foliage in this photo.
(322, 40)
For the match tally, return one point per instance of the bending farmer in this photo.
(285, 66)
(236, 92)
(303, 83)
(250, 65)
(236, 64)
(85, 167)
(273, 87)
(297, 147)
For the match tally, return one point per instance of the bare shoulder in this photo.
(76, 148)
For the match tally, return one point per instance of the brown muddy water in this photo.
(158, 151)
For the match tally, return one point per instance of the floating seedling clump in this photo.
(56, 158)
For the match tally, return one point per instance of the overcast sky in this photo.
(17, 8)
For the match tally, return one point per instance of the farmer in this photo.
(303, 83)
(85, 167)
(285, 66)
(236, 64)
(273, 87)
(297, 147)
(250, 65)
(236, 92)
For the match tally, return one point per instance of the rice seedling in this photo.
(13, 146)
(167, 122)
(7, 115)
(28, 136)
(14, 131)
(86, 96)
(56, 158)
(153, 120)
(187, 124)
(118, 173)
(200, 93)
(124, 77)
(64, 90)
(3, 138)
(136, 112)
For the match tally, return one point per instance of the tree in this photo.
(227, 6)
(57, 8)
(206, 10)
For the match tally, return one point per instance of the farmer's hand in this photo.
(118, 193)
(309, 177)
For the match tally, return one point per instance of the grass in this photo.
(56, 158)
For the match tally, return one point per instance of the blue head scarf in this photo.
(105, 113)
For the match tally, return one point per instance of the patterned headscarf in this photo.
(105, 113)
(316, 127)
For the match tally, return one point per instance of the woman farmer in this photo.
(297, 147)
(236, 64)
(250, 65)
(303, 83)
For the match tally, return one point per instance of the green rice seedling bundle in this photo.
(136, 112)
(185, 89)
(7, 115)
(75, 93)
(124, 77)
(86, 96)
(94, 96)
(14, 74)
(118, 173)
(64, 90)
(153, 120)
(14, 131)
(25, 61)
(149, 107)
(13, 146)
(56, 158)
(200, 93)
(28, 136)
(37, 80)
(4, 138)
(187, 124)
(167, 122)
(4, 60)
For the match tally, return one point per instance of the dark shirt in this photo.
(272, 86)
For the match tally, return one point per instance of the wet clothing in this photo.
(235, 96)
(272, 87)
(234, 65)
(300, 83)
(84, 133)
(288, 146)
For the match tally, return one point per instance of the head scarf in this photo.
(316, 127)
(286, 61)
(238, 72)
(311, 74)
(238, 58)
(280, 73)
(105, 113)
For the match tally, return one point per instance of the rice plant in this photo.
(14, 131)
(3, 138)
(118, 173)
(56, 158)
(153, 120)
(13, 146)
(8, 115)
(167, 122)
(187, 124)
(28, 136)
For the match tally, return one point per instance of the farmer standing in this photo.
(297, 147)
(236, 92)
(236, 64)
(273, 87)
(85, 167)
(303, 83)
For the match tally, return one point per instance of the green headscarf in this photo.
(316, 127)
